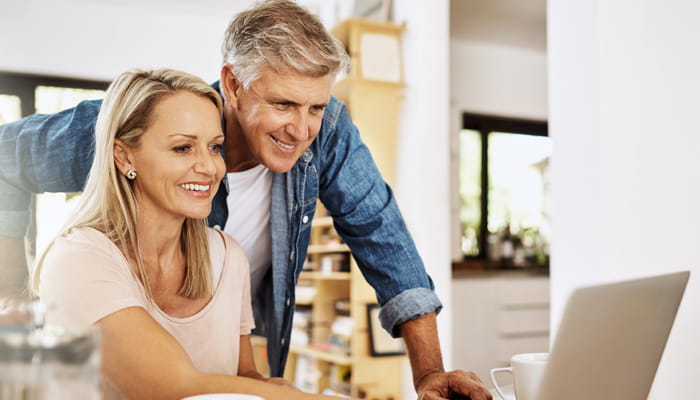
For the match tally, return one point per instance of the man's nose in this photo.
(298, 125)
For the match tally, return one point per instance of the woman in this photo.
(171, 296)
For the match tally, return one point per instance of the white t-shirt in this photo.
(249, 218)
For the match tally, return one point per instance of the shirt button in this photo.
(289, 301)
(282, 341)
(217, 227)
(305, 219)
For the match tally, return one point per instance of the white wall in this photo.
(100, 39)
(422, 182)
(623, 96)
(494, 79)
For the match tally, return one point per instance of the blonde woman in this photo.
(170, 295)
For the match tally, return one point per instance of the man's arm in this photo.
(429, 376)
(366, 215)
(13, 267)
(39, 153)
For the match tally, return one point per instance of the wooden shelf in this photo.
(320, 222)
(328, 248)
(321, 355)
(316, 275)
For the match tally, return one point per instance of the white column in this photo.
(422, 182)
(623, 103)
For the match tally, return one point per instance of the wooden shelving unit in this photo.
(316, 359)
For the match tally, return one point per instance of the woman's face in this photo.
(178, 159)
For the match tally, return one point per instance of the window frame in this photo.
(23, 85)
(485, 124)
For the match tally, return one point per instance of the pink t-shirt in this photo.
(85, 278)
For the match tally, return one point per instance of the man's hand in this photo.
(429, 376)
(456, 384)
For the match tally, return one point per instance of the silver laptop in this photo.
(611, 339)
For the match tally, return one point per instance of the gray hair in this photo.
(284, 36)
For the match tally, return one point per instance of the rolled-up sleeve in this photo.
(407, 305)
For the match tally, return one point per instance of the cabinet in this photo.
(497, 315)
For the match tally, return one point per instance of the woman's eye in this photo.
(182, 149)
(216, 148)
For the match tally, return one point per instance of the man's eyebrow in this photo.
(280, 99)
(276, 99)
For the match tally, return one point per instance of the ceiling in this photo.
(517, 23)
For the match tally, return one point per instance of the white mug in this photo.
(223, 396)
(527, 370)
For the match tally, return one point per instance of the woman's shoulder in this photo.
(77, 252)
(83, 232)
(85, 238)
(221, 242)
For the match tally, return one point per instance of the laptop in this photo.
(611, 339)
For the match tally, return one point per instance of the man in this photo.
(288, 144)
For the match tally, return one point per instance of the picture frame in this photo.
(380, 342)
(378, 10)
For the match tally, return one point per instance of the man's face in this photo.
(278, 117)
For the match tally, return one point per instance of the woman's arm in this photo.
(145, 362)
(246, 360)
(246, 364)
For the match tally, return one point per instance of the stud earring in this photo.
(131, 174)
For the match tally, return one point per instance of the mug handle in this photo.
(493, 379)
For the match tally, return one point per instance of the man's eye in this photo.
(282, 105)
(318, 109)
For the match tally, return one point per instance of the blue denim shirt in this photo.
(53, 153)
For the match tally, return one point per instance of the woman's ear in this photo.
(122, 157)
(230, 85)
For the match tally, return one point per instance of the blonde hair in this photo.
(108, 203)
(284, 36)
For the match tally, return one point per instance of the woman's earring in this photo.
(131, 174)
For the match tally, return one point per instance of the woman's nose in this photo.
(205, 164)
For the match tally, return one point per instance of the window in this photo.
(22, 95)
(504, 192)
(10, 109)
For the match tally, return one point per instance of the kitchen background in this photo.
(616, 80)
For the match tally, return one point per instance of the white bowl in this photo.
(223, 396)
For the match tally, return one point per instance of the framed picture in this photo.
(378, 10)
(380, 342)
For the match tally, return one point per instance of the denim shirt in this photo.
(54, 153)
